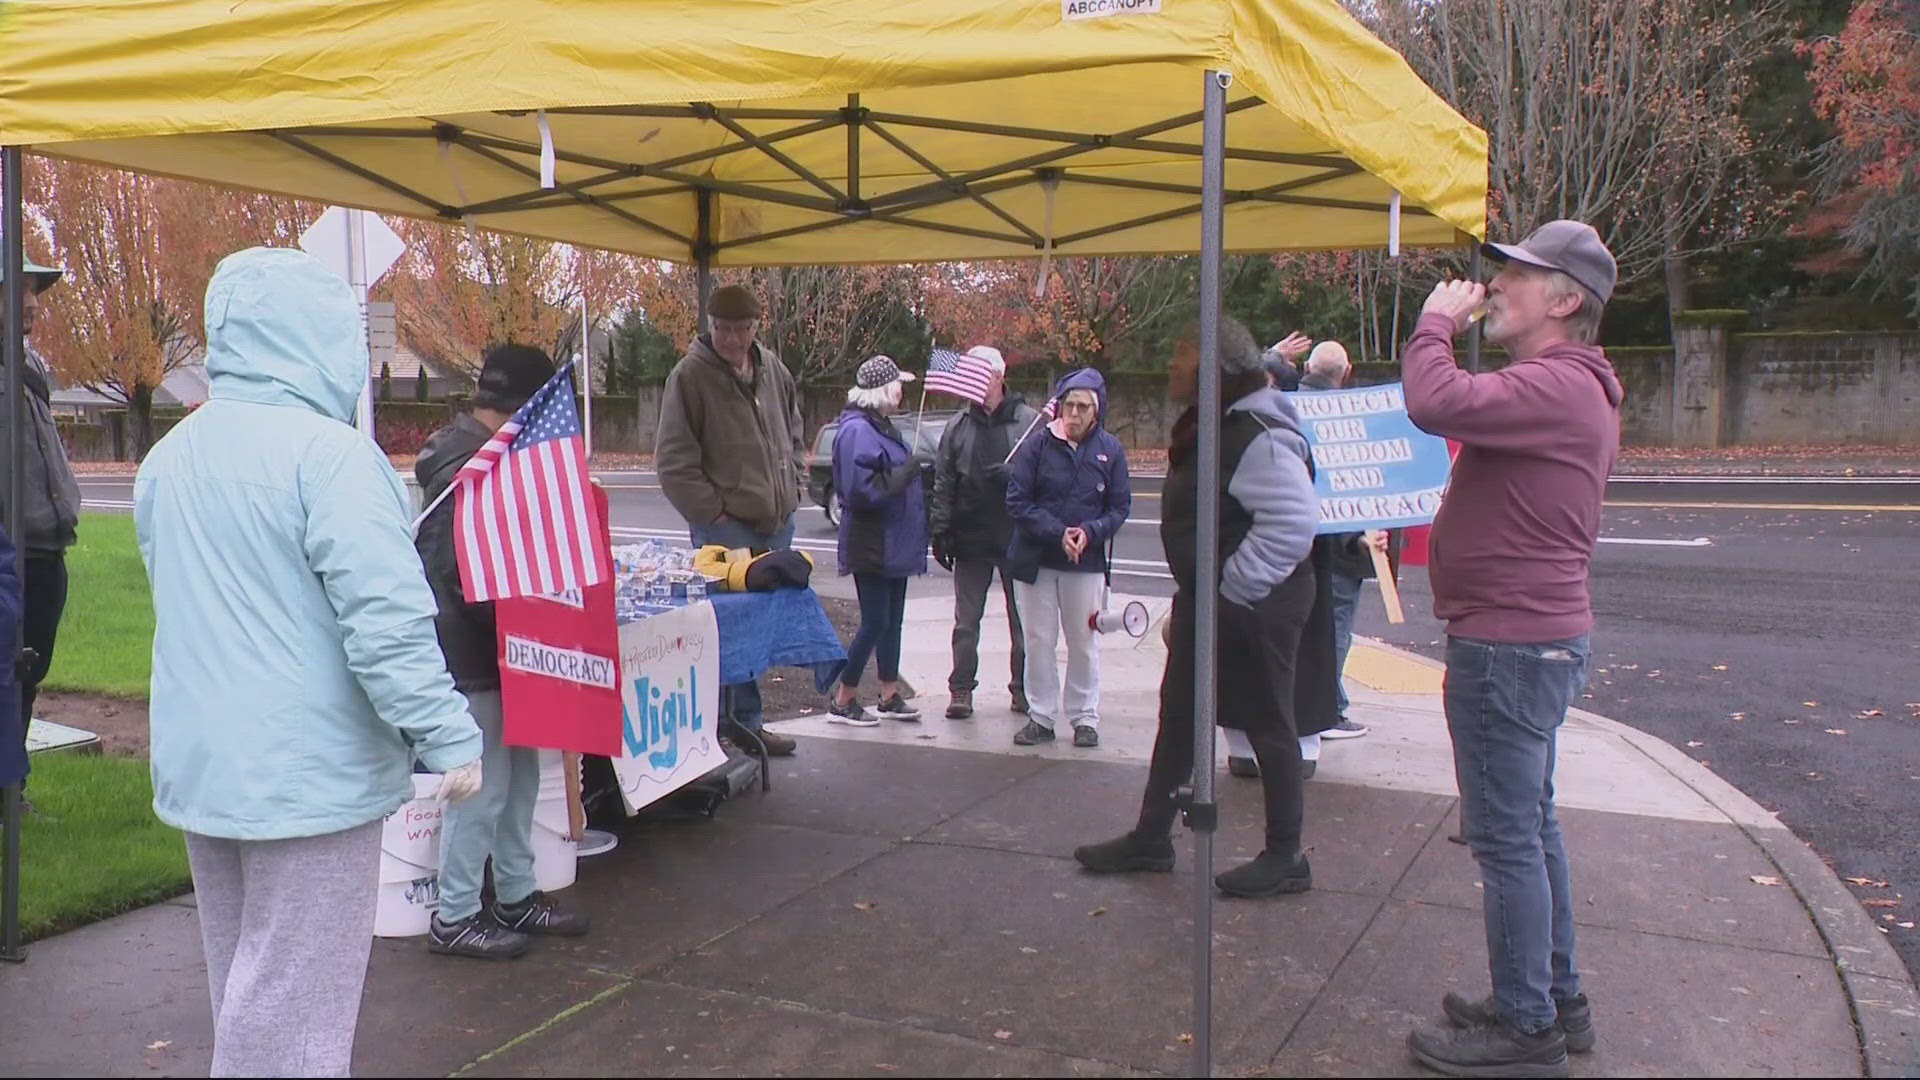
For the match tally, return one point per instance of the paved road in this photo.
(1765, 626)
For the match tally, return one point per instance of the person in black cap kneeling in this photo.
(497, 822)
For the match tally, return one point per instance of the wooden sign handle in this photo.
(1389, 589)
(576, 809)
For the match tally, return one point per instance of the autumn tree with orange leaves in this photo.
(138, 252)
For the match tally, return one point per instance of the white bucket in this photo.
(555, 858)
(410, 863)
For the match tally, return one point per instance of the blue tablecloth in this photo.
(786, 628)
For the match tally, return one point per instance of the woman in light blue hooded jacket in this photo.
(296, 675)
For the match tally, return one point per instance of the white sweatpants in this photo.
(1060, 600)
(1238, 746)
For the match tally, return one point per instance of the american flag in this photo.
(962, 376)
(525, 518)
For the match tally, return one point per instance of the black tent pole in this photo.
(13, 268)
(1202, 813)
(702, 256)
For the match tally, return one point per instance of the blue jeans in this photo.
(1505, 704)
(883, 614)
(1346, 600)
(741, 701)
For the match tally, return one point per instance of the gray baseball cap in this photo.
(40, 277)
(1571, 247)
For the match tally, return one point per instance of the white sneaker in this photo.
(850, 714)
(894, 708)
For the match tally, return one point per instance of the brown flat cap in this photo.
(733, 302)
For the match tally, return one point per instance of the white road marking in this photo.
(1698, 541)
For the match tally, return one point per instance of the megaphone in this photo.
(1132, 618)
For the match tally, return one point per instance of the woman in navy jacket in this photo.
(883, 536)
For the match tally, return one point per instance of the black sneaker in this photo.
(1345, 729)
(895, 708)
(538, 914)
(1491, 1050)
(1033, 734)
(1127, 853)
(1244, 766)
(1085, 735)
(1269, 874)
(476, 936)
(851, 714)
(1576, 1017)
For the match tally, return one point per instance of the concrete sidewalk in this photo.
(904, 902)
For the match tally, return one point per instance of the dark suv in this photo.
(923, 428)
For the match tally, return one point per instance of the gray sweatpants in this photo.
(287, 926)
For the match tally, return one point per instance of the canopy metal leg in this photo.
(1202, 813)
(13, 267)
(703, 256)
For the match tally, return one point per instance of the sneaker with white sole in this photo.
(850, 714)
(894, 708)
(1345, 729)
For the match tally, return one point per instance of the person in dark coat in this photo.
(883, 536)
(1069, 493)
(1268, 591)
(972, 527)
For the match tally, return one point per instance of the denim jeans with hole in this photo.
(1505, 704)
(742, 700)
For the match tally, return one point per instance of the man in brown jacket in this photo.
(731, 455)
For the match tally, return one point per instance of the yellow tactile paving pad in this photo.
(1389, 672)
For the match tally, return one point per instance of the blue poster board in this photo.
(1372, 468)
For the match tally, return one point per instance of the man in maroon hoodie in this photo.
(1510, 552)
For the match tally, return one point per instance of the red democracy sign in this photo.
(560, 665)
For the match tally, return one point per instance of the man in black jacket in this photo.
(1327, 369)
(49, 506)
(971, 528)
(498, 822)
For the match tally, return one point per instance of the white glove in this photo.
(460, 783)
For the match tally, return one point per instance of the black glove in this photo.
(943, 552)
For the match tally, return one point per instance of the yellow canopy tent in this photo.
(761, 132)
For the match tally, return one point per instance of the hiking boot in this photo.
(1127, 853)
(895, 708)
(538, 914)
(1491, 1050)
(1244, 766)
(777, 745)
(1085, 735)
(1020, 702)
(850, 714)
(960, 705)
(476, 936)
(1345, 729)
(1033, 734)
(1269, 874)
(1575, 1020)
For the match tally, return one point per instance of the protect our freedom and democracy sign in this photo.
(1372, 468)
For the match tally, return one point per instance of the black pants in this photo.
(44, 594)
(972, 583)
(1257, 648)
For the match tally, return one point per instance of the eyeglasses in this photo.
(734, 326)
(1076, 406)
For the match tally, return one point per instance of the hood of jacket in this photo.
(1276, 414)
(282, 329)
(1594, 359)
(1085, 378)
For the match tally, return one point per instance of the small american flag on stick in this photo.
(525, 520)
(963, 376)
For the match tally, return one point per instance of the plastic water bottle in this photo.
(696, 588)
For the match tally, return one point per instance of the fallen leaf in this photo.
(884, 1067)
(1738, 715)
(1811, 704)
(1186, 1038)
(1763, 879)
(808, 711)
(1695, 742)
(1719, 667)
(864, 905)
(1096, 912)
(1028, 949)
(1881, 903)
(1869, 714)
(1836, 731)
(1003, 1034)
(1904, 925)
(1741, 990)
(161, 1045)
(1866, 883)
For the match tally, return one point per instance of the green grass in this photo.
(94, 848)
(106, 636)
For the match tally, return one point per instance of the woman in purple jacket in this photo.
(883, 536)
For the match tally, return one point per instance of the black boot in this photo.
(1129, 852)
(1269, 874)
(1491, 1050)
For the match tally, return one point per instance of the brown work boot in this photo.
(960, 707)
